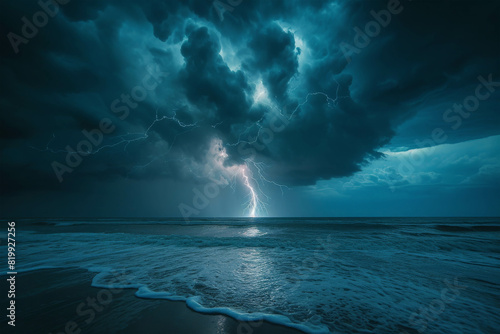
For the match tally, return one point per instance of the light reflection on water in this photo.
(253, 232)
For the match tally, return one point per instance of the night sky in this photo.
(318, 108)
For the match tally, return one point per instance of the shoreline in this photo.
(63, 301)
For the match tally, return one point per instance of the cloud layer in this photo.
(267, 78)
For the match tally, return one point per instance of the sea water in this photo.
(338, 275)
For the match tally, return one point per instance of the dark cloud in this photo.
(275, 58)
(230, 79)
(327, 138)
(220, 93)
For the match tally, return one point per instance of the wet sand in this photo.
(63, 301)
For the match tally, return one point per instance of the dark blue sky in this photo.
(234, 108)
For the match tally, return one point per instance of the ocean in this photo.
(319, 275)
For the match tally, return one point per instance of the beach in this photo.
(49, 298)
(263, 275)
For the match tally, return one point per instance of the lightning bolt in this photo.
(126, 139)
(256, 127)
(215, 168)
(258, 167)
(252, 206)
(121, 139)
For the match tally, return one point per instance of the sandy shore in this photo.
(63, 301)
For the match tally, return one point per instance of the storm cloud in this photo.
(268, 78)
